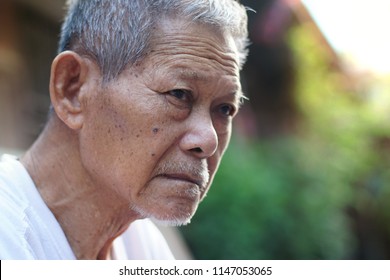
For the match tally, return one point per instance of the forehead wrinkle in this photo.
(197, 46)
(195, 41)
(189, 74)
(184, 61)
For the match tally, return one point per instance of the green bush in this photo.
(266, 203)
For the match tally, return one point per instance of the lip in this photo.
(183, 177)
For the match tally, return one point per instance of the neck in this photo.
(90, 215)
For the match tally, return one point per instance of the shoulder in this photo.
(13, 200)
(13, 229)
(12, 215)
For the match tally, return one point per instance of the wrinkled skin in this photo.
(156, 134)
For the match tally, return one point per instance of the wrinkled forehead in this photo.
(175, 39)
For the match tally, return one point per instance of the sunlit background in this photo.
(307, 172)
(357, 29)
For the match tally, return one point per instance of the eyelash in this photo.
(185, 93)
(181, 98)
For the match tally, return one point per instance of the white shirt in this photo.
(29, 230)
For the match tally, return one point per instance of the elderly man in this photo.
(143, 95)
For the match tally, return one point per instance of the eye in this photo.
(179, 93)
(181, 98)
(227, 110)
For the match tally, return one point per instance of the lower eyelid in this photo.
(178, 103)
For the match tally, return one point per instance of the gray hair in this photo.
(116, 33)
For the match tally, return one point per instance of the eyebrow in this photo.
(188, 74)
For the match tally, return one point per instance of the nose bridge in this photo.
(201, 137)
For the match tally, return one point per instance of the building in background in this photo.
(28, 39)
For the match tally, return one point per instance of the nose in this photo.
(200, 139)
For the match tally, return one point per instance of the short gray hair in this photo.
(116, 33)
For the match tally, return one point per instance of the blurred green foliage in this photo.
(302, 196)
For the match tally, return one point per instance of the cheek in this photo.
(103, 150)
(118, 144)
(110, 147)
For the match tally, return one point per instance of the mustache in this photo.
(196, 171)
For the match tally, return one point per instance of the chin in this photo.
(174, 222)
(179, 218)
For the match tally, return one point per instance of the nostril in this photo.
(197, 150)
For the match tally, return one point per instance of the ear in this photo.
(68, 74)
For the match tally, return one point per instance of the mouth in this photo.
(185, 178)
(185, 172)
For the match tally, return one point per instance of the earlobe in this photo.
(68, 74)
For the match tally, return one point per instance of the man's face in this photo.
(156, 134)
